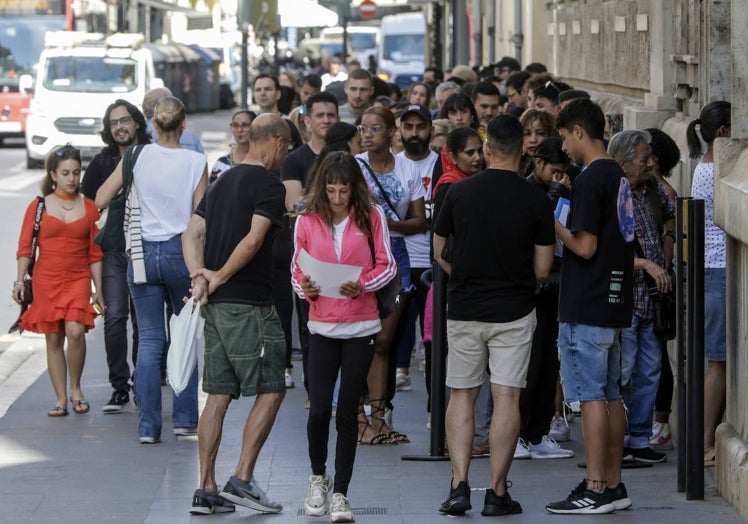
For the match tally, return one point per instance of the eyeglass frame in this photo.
(375, 129)
(242, 125)
(550, 83)
(124, 121)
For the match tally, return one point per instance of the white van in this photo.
(363, 41)
(79, 75)
(402, 53)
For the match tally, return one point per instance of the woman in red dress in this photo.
(67, 260)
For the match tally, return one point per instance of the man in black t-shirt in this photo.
(228, 248)
(502, 246)
(595, 302)
(124, 126)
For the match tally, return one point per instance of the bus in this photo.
(23, 24)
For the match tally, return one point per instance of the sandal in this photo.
(375, 440)
(394, 437)
(80, 407)
(58, 411)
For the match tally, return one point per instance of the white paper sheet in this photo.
(329, 277)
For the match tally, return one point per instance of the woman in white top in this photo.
(397, 185)
(713, 122)
(168, 182)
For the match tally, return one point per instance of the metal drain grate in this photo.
(373, 510)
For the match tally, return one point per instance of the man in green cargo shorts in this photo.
(228, 248)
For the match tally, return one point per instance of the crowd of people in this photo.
(553, 230)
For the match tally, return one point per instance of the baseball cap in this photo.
(420, 110)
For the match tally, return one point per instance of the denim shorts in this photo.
(400, 253)
(590, 362)
(715, 314)
(245, 350)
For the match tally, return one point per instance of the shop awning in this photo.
(305, 13)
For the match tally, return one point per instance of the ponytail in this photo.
(713, 116)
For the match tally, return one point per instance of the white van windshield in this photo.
(362, 41)
(91, 74)
(404, 48)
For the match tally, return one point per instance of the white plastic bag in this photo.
(186, 342)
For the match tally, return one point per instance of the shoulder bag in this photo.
(111, 237)
(663, 304)
(28, 294)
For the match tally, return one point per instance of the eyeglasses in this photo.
(68, 151)
(375, 129)
(291, 144)
(511, 94)
(124, 121)
(237, 125)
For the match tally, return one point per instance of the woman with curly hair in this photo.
(537, 126)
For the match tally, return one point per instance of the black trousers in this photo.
(664, 399)
(352, 357)
(537, 400)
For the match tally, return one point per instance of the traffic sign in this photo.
(367, 9)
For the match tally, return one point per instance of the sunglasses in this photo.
(68, 151)
(550, 83)
(243, 125)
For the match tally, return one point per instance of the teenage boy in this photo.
(595, 303)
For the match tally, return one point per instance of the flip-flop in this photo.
(80, 407)
(57, 411)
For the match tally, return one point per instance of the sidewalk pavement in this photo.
(91, 468)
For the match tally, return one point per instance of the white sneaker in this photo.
(315, 504)
(402, 382)
(340, 509)
(548, 449)
(521, 452)
(662, 439)
(289, 380)
(559, 431)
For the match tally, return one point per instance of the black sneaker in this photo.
(646, 455)
(118, 401)
(204, 503)
(620, 497)
(583, 501)
(459, 500)
(249, 495)
(496, 506)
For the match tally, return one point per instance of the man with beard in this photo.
(415, 130)
(124, 125)
(322, 112)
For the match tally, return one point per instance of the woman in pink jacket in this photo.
(339, 224)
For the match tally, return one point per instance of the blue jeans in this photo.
(641, 361)
(590, 362)
(167, 276)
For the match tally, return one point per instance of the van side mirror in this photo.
(26, 84)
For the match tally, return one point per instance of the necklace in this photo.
(64, 197)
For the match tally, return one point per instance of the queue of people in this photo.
(386, 187)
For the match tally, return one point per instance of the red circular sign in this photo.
(367, 9)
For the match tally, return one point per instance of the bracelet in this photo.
(670, 233)
(17, 282)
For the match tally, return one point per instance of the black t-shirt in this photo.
(98, 170)
(297, 164)
(228, 207)
(496, 218)
(599, 291)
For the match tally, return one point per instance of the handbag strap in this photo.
(35, 234)
(128, 163)
(381, 189)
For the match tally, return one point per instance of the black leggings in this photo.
(326, 356)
